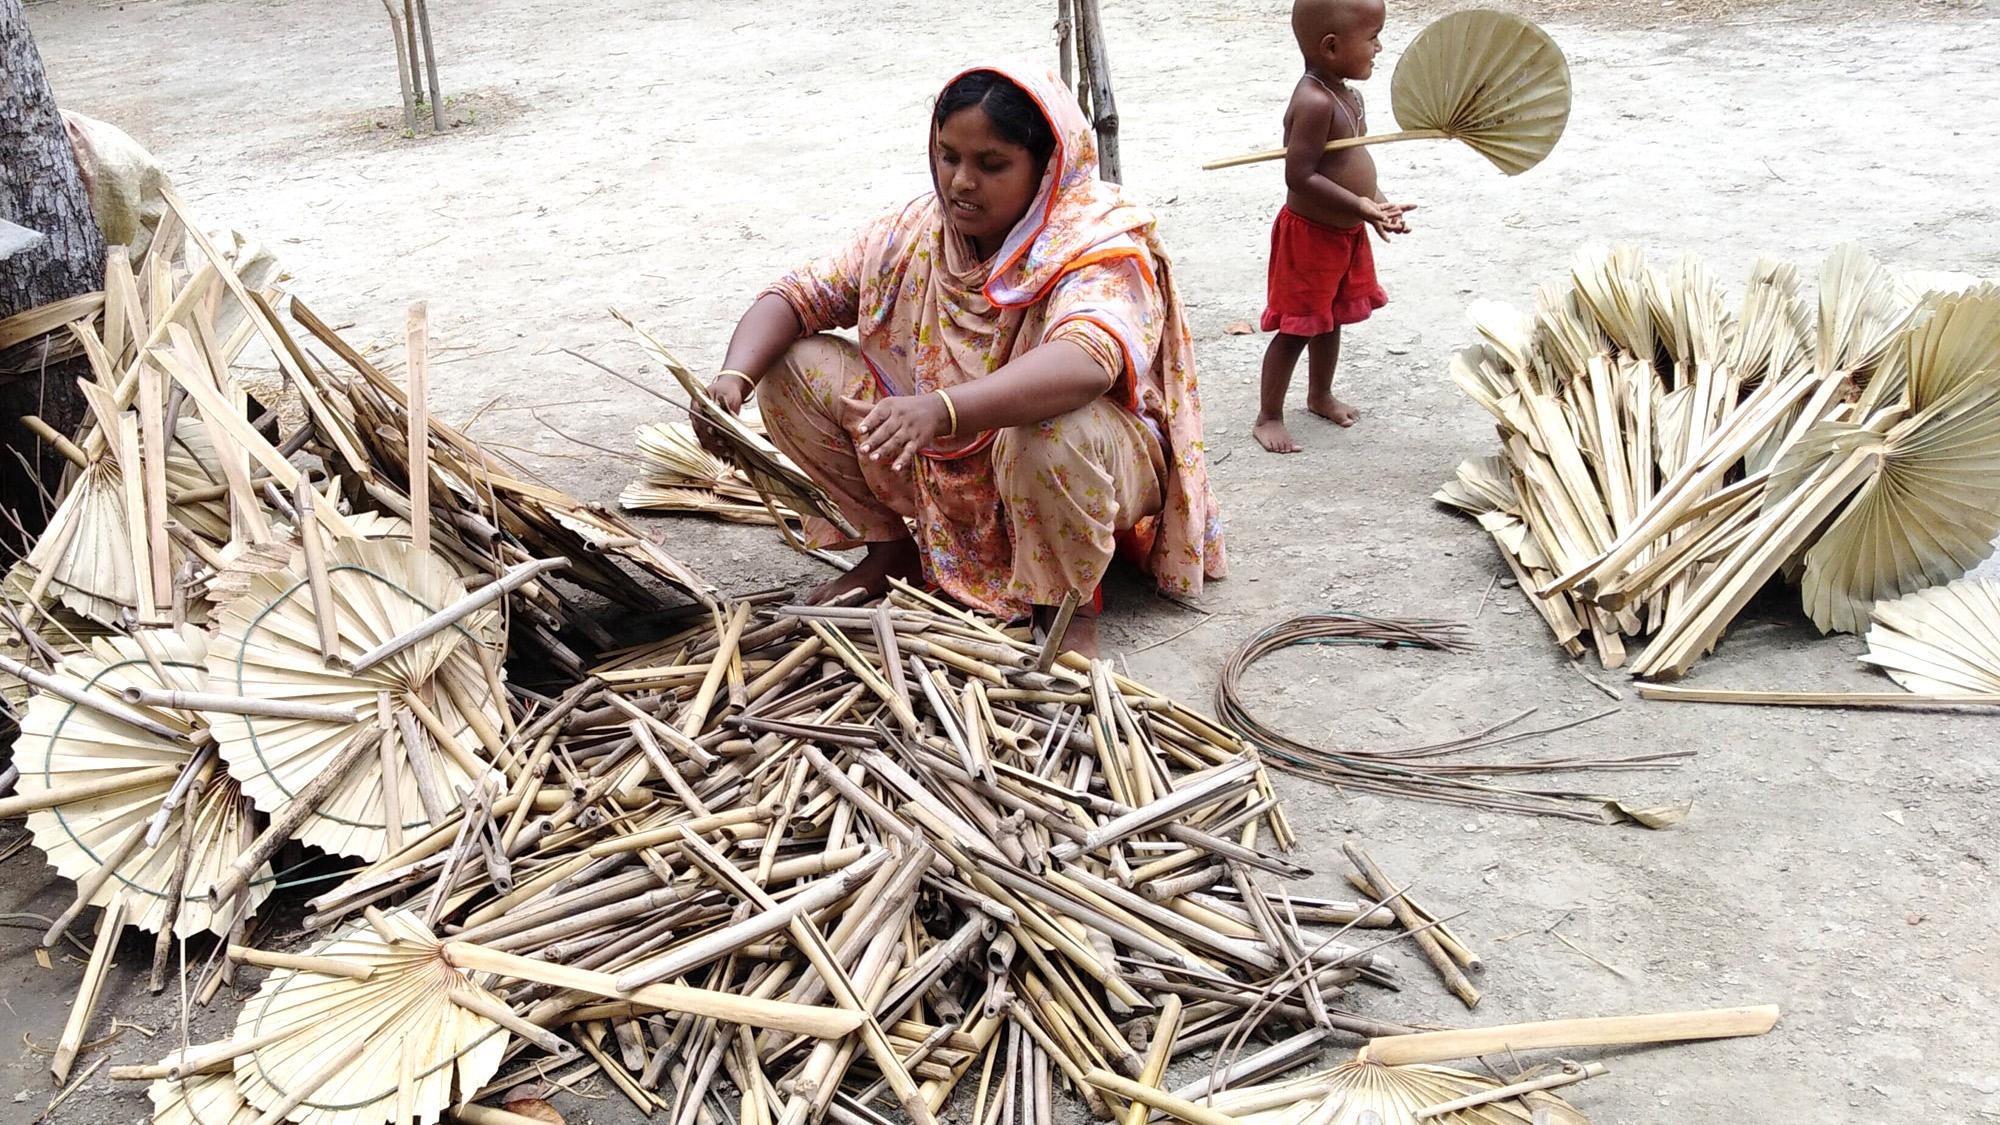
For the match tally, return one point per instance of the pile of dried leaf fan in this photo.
(1663, 456)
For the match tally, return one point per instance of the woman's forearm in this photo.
(761, 337)
(1046, 382)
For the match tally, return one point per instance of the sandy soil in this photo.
(669, 158)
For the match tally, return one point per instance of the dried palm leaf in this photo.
(1859, 313)
(397, 1045)
(441, 712)
(1490, 79)
(774, 476)
(1366, 1092)
(85, 556)
(118, 795)
(1940, 641)
(200, 1099)
(1930, 512)
(1393, 1081)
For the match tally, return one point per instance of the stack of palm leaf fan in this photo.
(1664, 459)
(682, 477)
(1940, 644)
(222, 623)
(1489, 79)
(433, 706)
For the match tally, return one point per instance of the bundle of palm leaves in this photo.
(1663, 458)
(683, 477)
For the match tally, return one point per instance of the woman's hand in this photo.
(729, 392)
(898, 427)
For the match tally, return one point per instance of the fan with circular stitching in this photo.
(419, 1052)
(62, 743)
(439, 694)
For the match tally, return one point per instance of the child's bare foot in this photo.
(1273, 436)
(871, 575)
(1333, 410)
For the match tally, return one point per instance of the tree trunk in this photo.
(41, 189)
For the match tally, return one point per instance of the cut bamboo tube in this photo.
(22, 803)
(238, 705)
(101, 703)
(1447, 969)
(301, 963)
(1878, 699)
(1154, 1098)
(457, 611)
(821, 1023)
(483, 1004)
(326, 619)
(109, 925)
(417, 435)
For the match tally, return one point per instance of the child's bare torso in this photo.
(1351, 168)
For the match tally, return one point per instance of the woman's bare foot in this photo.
(884, 561)
(1273, 436)
(1079, 638)
(1333, 410)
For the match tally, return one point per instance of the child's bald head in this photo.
(1339, 35)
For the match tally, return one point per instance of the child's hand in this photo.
(1388, 217)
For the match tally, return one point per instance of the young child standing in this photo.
(1322, 271)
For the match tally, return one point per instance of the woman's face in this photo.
(985, 182)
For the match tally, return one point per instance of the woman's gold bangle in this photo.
(747, 380)
(951, 412)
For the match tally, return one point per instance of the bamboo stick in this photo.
(301, 963)
(822, 1023)
(1572, 1073)
(457, 611)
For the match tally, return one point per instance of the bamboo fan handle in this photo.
(1331, 146)
(1607, 1031)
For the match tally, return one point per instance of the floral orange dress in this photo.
(1024, 516)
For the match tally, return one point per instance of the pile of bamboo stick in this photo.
(842, 857)
(1664, 457)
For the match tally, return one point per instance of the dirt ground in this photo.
(671, 157)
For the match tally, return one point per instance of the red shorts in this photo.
(1321, 277)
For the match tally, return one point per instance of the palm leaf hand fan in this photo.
(391, 1032)
(434, 701)
(200, 1099)
(93, 555)
(1492, 80)
(119, 798)
(1941, 641)
(1394, 1080)
(1928, 510)
(782, 484)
